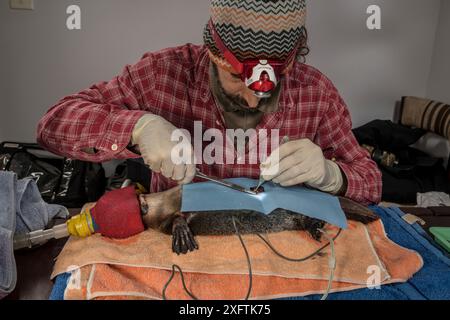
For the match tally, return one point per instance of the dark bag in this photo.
(64, 181)
(413, 171)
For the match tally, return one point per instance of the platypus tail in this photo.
(357, 212)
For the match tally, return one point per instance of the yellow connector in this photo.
(81, 225)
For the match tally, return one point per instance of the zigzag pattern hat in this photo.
(255, 29)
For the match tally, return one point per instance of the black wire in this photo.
(182, 276)
(292, 259)
(248, 261)
(250, 275)
(182, 281)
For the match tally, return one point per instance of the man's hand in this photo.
(301, 161)
(152, 134)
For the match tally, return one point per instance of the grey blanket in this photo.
(21, 210)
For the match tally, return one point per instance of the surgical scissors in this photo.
(225, 183)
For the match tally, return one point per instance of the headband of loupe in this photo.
(259, 75)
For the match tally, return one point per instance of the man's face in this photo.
(237, 90)
(234, 95)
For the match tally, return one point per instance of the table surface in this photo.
(34, 266)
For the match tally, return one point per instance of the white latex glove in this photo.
(302, 162)
(152, 134)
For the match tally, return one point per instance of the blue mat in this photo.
(209, 196)
(59, 287)
(432, 282)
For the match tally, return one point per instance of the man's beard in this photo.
(235, 103)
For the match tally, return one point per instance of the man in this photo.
(248, 75)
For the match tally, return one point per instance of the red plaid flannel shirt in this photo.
(174, 83)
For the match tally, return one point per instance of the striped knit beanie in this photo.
(255, 29)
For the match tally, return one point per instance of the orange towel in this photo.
(138, 268)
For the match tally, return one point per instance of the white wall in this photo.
(373, 69)
(41, 61)
(439, 83)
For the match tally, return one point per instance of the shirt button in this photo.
(218, 122)
(114, 147)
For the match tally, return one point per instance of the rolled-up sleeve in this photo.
(336, 138)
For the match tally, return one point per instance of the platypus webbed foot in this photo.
(183, 240)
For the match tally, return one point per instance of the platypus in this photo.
(161, 211)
